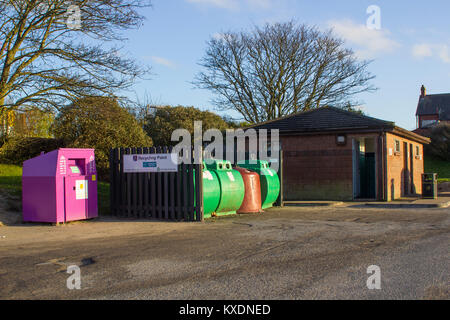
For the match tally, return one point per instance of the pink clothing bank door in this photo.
(80, 191)
(81, 197)
(77, 197)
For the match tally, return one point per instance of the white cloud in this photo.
(369, 42)
(235, 4)
(444, 54)
(422, 50)
(260, 4)
(162, 61)
(427, 50)
(225, 4)
(221, 36)
(218, 36)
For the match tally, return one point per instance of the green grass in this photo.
(103, 198)
(11, 178)
(441, 167)
(11, 183)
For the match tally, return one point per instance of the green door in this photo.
(367, 175)
(370, 175)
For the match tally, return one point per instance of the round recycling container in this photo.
(252, 197)
(231, 187)
(211, 192)
(270, 183)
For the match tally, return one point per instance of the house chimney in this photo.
(423, 91)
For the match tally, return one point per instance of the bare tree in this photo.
(144, 106)
(53, 52)
(280, 69)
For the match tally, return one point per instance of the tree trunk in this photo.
(3, 122)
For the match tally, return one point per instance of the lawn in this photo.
(441, 167)
(103, 198)
(11, 182)
(11, 178)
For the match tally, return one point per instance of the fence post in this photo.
(153, 187)
(172, 191)
(122, 198)
(199, 216)
(146, 202)
(140, 187)
(128, 187)
(112, 183)
(166, 190)
(179, 188)
(280, 201)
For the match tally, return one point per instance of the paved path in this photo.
(290, 253)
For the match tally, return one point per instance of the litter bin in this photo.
(60, 186)
(429, 186)
(270, 183)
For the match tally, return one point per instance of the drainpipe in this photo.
(385, 175)
(380, 172)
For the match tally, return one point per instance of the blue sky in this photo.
(411, 48)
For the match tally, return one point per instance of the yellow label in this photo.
(93, 177)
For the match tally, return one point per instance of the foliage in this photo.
(7, 117)
(99, 123)
(27, 123)
(235, 124)
(351, 108)
(165, 120)
(440, 142)
(280, 69)
(18, 149)
(436, 165)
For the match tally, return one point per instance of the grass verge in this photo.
(11, 178)
(441, 167)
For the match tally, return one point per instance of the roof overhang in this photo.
(394, 130)
(410, 135)
(329, 131)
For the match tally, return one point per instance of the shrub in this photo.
(165, 120)
(18, 149)
(99, 123)
(440, 142)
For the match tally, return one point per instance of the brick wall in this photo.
(396, 167)
(316, 168)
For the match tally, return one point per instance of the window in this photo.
(397, 146)
(341, 139)
(428, 123)
(417, 152)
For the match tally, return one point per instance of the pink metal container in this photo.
(60, 186)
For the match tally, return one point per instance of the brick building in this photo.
(431, 110)
(332, 154)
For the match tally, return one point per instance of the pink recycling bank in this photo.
(60, 186)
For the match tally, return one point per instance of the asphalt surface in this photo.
(289, 253)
